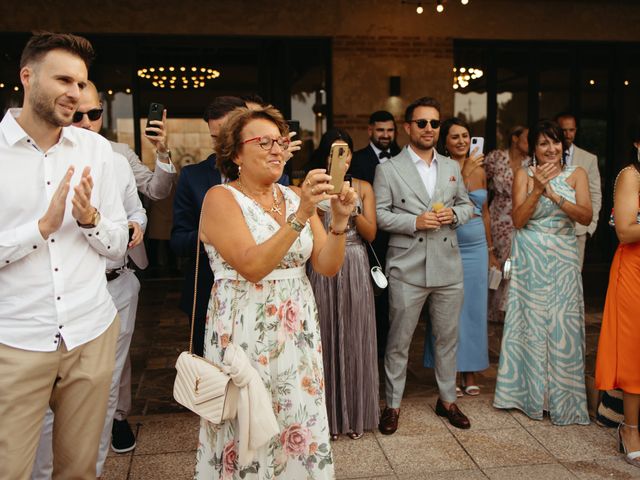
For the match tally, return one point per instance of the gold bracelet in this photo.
(331, 230)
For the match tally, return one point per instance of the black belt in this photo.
(115, 273)
(112, 274)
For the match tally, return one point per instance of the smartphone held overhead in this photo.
(155, 113)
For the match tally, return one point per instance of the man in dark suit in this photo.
(193, 184)
(382, 146)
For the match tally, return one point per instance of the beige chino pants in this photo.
(76, 385)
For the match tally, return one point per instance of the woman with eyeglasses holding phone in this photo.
(541, 365)
(347, 314)
(259, 235)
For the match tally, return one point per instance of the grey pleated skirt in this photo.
(348, 330)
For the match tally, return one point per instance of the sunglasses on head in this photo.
(422, 123)
(93, 114)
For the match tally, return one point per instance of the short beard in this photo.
(45, 109)
(380, 146)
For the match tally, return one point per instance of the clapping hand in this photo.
(82, 209)
(542, 175)
(53, 217)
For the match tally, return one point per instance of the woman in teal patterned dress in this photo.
(542, 356)
(258, 236)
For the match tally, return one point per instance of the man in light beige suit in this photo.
(420, 200)
(588, 161)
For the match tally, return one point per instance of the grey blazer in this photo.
(423, 258)
(589, 162)
(157, 184)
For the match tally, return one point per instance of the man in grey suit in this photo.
(420, 200)
(588, 161)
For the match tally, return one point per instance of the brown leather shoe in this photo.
(454, 415)
(389, 421)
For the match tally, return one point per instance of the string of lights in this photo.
(439, 5)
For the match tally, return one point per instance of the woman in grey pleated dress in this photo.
(347, 317)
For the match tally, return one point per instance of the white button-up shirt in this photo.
(130, 200)
(428, 173)
(570, 153)
(377, 151)
(56, 288)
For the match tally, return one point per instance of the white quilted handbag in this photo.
(204, 389)
(201, 386)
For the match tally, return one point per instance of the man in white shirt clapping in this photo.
(61, 219)
(122, 283)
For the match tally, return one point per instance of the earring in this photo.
(534, 162)
(239, 170)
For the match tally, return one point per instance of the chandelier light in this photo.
(464, 75)
(182, 77)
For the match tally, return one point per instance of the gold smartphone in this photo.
(337, 165)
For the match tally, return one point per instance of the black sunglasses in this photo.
(93, 114)
(422, 123)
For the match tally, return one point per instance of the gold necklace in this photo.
(275, 207)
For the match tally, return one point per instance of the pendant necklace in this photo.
(275, 207)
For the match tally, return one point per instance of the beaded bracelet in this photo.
(331, 230)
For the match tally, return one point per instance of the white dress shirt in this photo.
(377, 151)
(55, 288)
(570, 155)
(130, 199)
(428, 173)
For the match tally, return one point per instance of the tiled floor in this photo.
(500, 444)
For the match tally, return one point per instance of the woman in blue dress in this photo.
(542, 355)
(476, 249)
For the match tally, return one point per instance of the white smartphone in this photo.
(477, 144)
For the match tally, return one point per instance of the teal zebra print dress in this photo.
(542, 356)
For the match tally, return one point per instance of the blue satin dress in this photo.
(473, 352)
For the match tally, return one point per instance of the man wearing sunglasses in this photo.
(420, 200)
(155, 185)
(123, 286)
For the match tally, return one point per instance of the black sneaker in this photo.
(122, 438)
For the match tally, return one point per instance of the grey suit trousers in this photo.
(405, 305)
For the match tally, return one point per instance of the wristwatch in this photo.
(95, 219)
(294, 223)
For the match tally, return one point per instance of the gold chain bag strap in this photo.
(201, 386)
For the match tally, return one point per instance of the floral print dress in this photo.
(500, 183)
(276, 323)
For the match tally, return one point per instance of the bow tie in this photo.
(384, 155)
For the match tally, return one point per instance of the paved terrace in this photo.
(499, 445)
